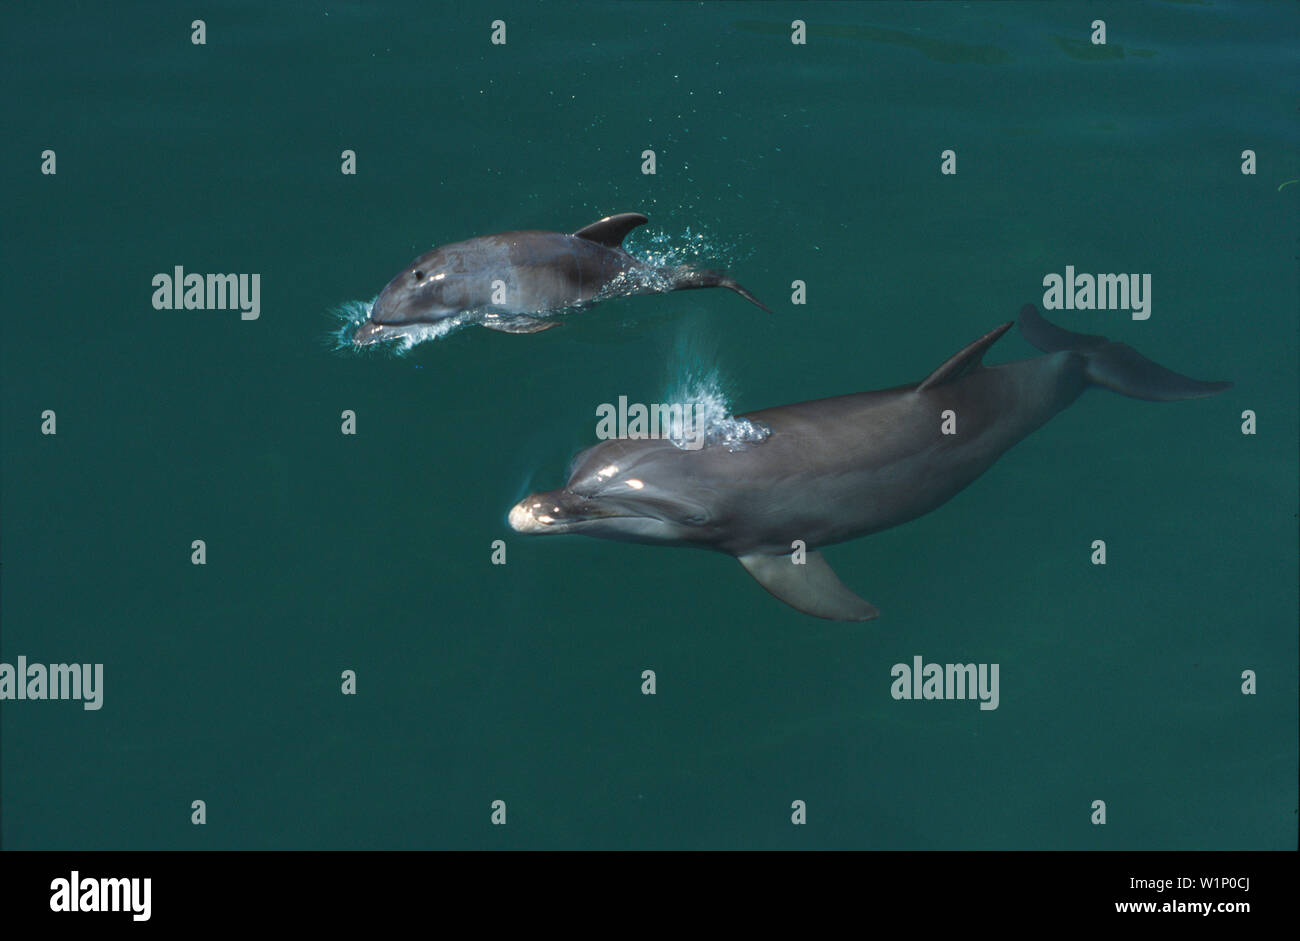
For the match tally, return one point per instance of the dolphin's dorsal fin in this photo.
(812, 587)
(964, 362)
(611, 230)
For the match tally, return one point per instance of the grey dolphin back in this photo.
(1115, 366)
(611, 230)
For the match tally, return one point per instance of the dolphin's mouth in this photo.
(369, 332)
(523, 520)
(558, 511)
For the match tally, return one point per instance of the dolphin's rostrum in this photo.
(843, 467)
(513, 281)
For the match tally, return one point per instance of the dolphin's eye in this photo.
(419, 276)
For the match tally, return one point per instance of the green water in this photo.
(522, 682)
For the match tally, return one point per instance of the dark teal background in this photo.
(522, 682)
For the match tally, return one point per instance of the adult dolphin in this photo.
(512, 281)
(843, 467)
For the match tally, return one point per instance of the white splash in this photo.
(413, 335)
(663, 254)
(637, 281)
(352, 314)
(690, 247)
(706, 392)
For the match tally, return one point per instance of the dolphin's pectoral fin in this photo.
(965, 361)
(519, 324)
(611, 230)
(812, 587)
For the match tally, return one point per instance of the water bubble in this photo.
(706, 394)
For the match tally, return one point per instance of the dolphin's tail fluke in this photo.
(1116, 366)
(687, 278)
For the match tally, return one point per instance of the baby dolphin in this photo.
(512, 281)
(839, 468)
